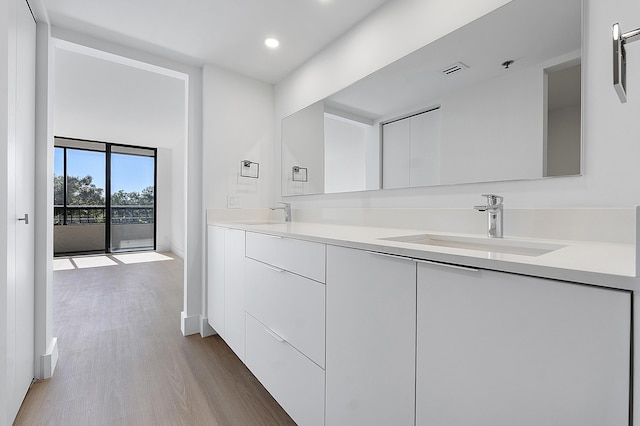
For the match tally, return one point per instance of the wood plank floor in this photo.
(124, 361)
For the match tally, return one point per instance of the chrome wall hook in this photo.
(620, 40)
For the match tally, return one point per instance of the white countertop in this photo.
(607, 265)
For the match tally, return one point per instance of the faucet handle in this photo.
(493, 199)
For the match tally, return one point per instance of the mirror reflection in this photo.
(498, 99)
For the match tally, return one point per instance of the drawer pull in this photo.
(394, 256)
(273, 268)
(272, 236)
(274, 335)
(447, 265)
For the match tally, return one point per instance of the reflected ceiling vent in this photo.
(455, 68)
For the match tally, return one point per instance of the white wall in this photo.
(611, 176)
(98, 99)
(238, 126)
(170, 180)
(303, 134)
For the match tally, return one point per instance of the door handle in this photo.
(25, 218)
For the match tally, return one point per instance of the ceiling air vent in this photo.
(452, 69)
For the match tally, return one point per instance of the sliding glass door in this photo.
(132, 225)
(79, 198)
(104, 197)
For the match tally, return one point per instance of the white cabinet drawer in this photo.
(290, 305)
(300, 257)
(292, 379)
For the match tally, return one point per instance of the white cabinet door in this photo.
(411, 151)
(425, 149)
(215, 278)
(371, 325)
(225, 285)
(234, 316)
(396, 154)
(24, 203)
(501, 349)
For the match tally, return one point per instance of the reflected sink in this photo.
(497, 245)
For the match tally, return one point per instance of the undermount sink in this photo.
(496, 245)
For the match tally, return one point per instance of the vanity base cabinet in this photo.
(501, 349)
(370, 341)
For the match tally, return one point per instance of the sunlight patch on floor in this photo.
(141, 257)
(93, 262)
(82, 262)
(62, 264)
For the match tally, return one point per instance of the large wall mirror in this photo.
(498, 99)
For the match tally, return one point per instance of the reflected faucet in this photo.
(494, 215)
(287, 210)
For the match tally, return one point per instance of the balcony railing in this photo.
(88, 215)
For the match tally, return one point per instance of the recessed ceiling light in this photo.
(272, 42)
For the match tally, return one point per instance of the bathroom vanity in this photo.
(377, 326)
(372, 325)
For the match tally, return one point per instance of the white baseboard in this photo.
(189, 325)
(163, 248)
(205, 329)
(49, 360)
(178, 252)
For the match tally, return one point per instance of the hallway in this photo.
(124, 361)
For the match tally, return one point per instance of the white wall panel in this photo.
(238, 126)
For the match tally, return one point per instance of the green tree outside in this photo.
(81, 191)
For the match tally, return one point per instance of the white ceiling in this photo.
(227, 33)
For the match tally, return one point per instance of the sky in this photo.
(130, 173)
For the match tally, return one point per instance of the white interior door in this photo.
(396, 153)
(24, 203)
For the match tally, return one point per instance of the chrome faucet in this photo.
(494, 215)
(287, 210)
